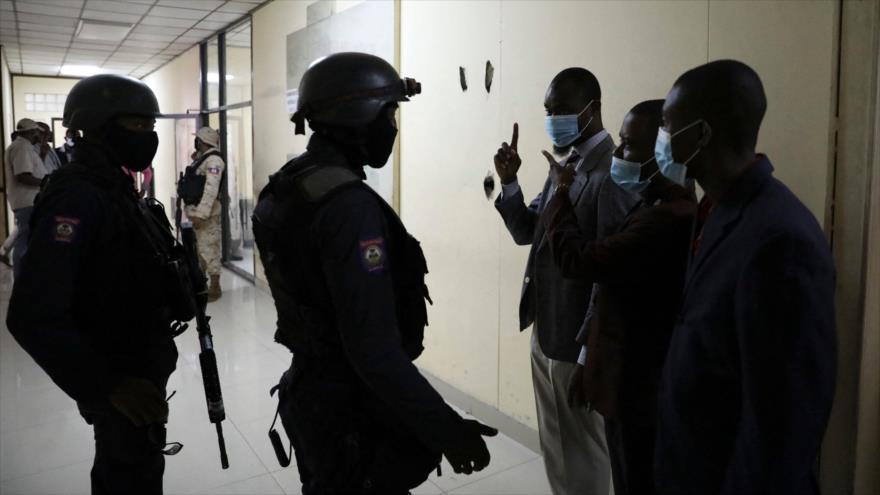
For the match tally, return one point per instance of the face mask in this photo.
(69, 143)
(380, 142)
(134, 150)
(626, 174)
(674, 171)
(563, 129)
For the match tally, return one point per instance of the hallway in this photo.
(46, 447)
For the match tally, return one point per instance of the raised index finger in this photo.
(515, 137)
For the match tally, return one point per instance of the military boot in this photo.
(214, 292)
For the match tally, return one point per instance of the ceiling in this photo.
(40, 36)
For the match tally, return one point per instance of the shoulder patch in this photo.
(65, 229)
(214, 170)
(373, 254)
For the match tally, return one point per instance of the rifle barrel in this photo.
(224, 460)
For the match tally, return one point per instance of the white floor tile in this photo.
(525, 479)
(68, 480)
(38, 448)
(256, 434)
(288, 478)
(197, 466)
(22, 409)
(428, 488)
(261, 485)
(249, 401)
(46, 448)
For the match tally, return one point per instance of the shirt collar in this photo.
(587, 146)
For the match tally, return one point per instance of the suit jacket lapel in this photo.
(718, 226)
(576, 190)
(727, 213)
(540, 231)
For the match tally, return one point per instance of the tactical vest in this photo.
(289, 204)
(148, 220)
(191, 185)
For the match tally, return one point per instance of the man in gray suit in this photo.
(572, 439)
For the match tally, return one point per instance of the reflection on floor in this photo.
(46, 448)
(246, 262)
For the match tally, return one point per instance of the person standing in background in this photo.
(639, 272)
(65, 151)
(51, 160)
(24, 172)
(205, 215)
(748, 383)
(572, 439)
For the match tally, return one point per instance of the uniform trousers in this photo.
(210, 247)
(128, 459)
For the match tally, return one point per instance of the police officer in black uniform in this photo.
(93, 303)
(348, 284)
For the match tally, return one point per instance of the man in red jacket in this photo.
(639, 275)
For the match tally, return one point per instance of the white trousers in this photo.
(572, 440)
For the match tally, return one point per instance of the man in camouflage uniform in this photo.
(205, 216)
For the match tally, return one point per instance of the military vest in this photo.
(191, 185)
(286, 207)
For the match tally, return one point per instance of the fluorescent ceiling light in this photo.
(214, 77)
(90, 29)
(82, 70)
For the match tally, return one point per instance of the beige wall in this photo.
(8, 126)
(177, 88)
(636, 49)
(274, 139)
(867, 479)
(28, 84)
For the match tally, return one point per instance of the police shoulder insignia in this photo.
(373, 254)
(214, 170)
(65, 229)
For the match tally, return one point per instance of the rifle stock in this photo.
(207, 358)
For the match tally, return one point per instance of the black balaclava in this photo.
(133, 150)
(379, 141)
(369, 145)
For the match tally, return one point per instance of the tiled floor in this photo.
(46, 448)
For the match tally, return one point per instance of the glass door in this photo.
(239, 189)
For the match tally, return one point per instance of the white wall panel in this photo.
(447, 136)
(791, 46)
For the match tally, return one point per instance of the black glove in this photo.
(468, 452)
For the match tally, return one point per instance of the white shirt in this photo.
(22, 158)
(582, 150)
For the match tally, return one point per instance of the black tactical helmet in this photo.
(349, 89)
(95, 100)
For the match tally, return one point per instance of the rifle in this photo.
(207, 358)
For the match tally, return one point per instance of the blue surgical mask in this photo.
(563, 129)
(674, 171)
(627, 174)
